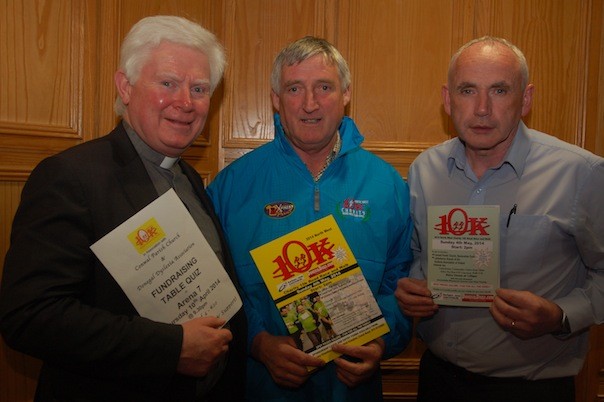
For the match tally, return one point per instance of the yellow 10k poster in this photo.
(319, 289)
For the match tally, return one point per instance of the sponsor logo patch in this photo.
(279, 209)
(354, 208)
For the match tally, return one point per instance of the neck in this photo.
(481, 161)
(317, 161)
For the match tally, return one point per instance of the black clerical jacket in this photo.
(58, 303)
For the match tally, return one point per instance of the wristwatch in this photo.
(565, 326)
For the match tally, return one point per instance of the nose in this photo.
(483, 104)
(310, 103)
(182, 100)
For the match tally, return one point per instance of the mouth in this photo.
(310, 121)
(481, 128)
(179, 122)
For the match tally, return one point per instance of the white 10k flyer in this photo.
(463, 254)
(165, 265)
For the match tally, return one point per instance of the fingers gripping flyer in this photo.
(319, 289)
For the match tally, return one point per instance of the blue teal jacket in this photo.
(269, 192)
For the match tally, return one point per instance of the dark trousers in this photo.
(441, 381)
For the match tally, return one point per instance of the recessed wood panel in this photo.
(553, 37)
(46, 50)
(256, 31)
(57, 59)
(398, 53)
(18, 372)
(41, 67)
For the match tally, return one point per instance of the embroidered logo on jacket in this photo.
(279, 209)
(355, 208)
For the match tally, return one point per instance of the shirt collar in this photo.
(146, 152)
(515, 157)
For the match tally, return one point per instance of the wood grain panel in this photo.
(57, 59)
(99, 115)
(594, 121)
(256, 31)
(398, 53)
(553, 37)
(590, 382)
(18, 372)
(42, 67)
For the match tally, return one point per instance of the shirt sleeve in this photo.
(584, 306)
(418, 214)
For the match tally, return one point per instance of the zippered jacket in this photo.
(269, 192)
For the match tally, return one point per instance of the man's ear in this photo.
(527, 99)
(275, 99)
(446, 99)
(123, 86)
(346, 95)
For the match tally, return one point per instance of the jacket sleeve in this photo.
(220, 191)
(57, 302)
(397, 266)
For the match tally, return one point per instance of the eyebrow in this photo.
(291, 82)
(501, 84)
(176, 77)
(314, 82)
(467, 84)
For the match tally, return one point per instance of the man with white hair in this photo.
(59, 303)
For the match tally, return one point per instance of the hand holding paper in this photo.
(414, 298)
(203, 344)
(367, 361)
(287, 364)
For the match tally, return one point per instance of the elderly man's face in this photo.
(168, 105)
(311, 103)
(486, 99)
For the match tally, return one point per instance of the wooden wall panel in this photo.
(18, 372)
(553, 37)
(590, 383)
(398, 53)
(255, 31)
(41, 66)
(594, 121)
(58, 57)
(42, 70)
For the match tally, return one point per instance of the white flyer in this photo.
(463, 254)
(165, 265)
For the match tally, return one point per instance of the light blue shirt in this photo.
(553, 247)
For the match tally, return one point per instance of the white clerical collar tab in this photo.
(168, 162)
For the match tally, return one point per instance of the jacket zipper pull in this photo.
(317, 199)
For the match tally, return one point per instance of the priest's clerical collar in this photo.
(145, 151)
(168, 162)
